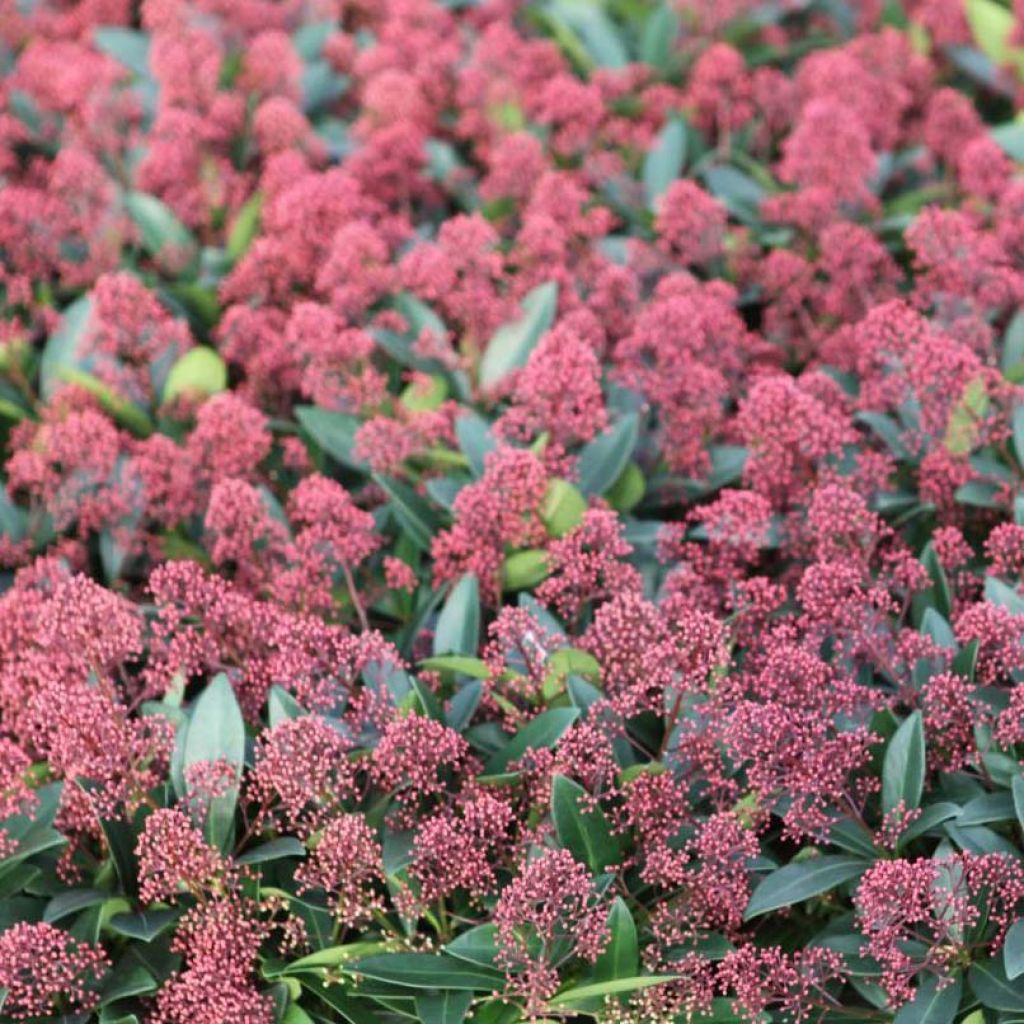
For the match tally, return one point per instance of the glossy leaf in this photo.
(216, 733)
(428, 970)
(795, 883)
(581, 829)
(458, 625)
(511, 344)
(904, 766)
(664, 161)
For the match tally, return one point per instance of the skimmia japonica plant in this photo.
(512, 511)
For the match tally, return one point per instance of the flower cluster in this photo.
(511, 510)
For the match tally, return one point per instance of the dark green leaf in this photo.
(458, 625)
(333, 431)
(414, 515)
(1013, 951)
(512, 343)
(657, 41)
(1017, 788)
(931, 816)
(543, 731)
(582, 830)
(62, 347)
(603, 459)
(931, 1004)
(162, 234)
(988, 807)
(125, 45)
(146, 925)
(904, 765)
(582, 993)
(994, 989)
(797, 882)
(597, 32)
(477, 946)
(664, 161)
(216, 733)
(445, 1008)
(621, 957)
(427, 970)
(126, 980)
(475, 439)
(67, 903)
(276, 849)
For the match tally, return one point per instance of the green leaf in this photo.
(66, 903)
(127, 414)
(477, 945)
(991, 25)
(282, 706)
(276, 849)
(475, 439)
(353, 1010)
(216, 732)
(199, 371)
(568, 660)
(445, 1008)
(602, 460)
(331, 957)
(244, 227)
(523, 570)
(543, 731)
(333, 431)
(795, 883)
(621, 957)
(966, 661)
(562, 509)
(931, 816)
(125, 45)
(457, 663)
(664, 162)
(986, 808)
(144, 926)
(1013, 951)
(163, 235)
(458, 625)
(414, 515)
(994, 989)
(1003, 595)
(463, 703)
(904, 765)
(934, 624)
(581, 993)
(931, 1004)
(120, 839)
(1017, 788)
(62, 347)
(583, 830)
(938, 595)
(125, 981)
(740, 193)
(963, 428)
(597, 32)
(657, 40)
(512, 343)
(1018, 422)
(888, 430)
(429, 970)
(1012, 360)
